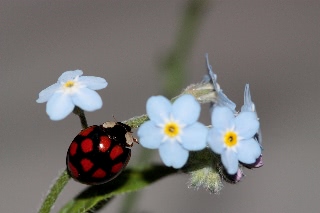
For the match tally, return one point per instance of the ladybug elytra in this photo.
(99, 153)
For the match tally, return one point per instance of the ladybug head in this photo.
(121, 130)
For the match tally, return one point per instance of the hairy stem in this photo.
(64, 177)
(54, 192)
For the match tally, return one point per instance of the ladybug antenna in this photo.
(114, 118)
(136, 140)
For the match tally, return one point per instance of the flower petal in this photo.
(194, 137)
(59, 106)
(94, 83)
(45, 94)
(172, 154)
(87, 99)
(215, 140)
(247, 124)
(149, 135)
(212, 75)
(222, 117)
(248, 105)
(186, 109)
(158, 109)
(69, 75)
(230, 161)
(248, 151)
(223, 100)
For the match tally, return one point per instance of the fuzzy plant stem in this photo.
(64, 177)
(54, 192)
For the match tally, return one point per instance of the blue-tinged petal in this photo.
(222, 117)
(230, 161)
(223, 100)
(212, 75)
(87, 99)
(149, 135)
(158, 109)
(194, 137)
(248, 151)
(94, 83)
(248, 105)
(69, 75)
(46, 94)
(247, 124)
(186, 109)
(59, 106)
(215, 140)
(172, 154)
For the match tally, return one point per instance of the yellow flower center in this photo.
(69, 84)
(171, 129)
(230, 139)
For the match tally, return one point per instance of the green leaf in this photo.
(132, 179)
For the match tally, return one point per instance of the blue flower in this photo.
(72, 90)
(173, 129)
(233, 137)
(222, 99)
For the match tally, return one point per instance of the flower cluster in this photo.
(231, 142)
(174, 130)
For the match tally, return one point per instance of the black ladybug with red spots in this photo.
(99, 153)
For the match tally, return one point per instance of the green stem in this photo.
(83, 120)
(64, 177)
(174, 65)
(54, 192)
(130, 199)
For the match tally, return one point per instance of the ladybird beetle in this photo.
(99, 153)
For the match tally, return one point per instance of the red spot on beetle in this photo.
(86, 164)
(104, 144)
(99, 173)
(117, 168)
(73, 170)
(73, 148)
(87, 145)
(86, 131)
(116, 151)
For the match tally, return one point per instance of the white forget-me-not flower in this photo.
(72, 90)
(173, 129)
